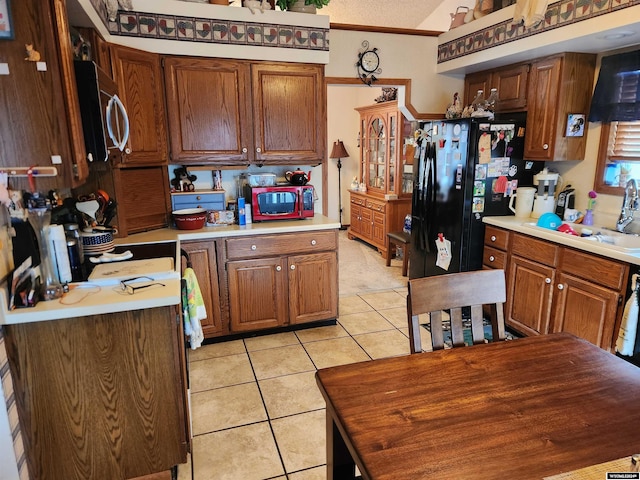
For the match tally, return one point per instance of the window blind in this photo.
(624, 141)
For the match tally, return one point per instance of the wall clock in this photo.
(368, 64)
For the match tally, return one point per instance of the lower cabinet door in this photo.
(530, 289)
(257, 293)
(585, 310)
(313, 287)
(203, 261)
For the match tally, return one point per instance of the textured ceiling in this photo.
(380, 13)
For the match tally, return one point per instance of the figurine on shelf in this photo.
(183, 181)
(354, 184)
(32, 55)
(454, 110)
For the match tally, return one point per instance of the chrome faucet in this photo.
(629, 206)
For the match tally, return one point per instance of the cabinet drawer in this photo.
(496, 237)
(284, 244)
(535, 250)
(494, 258)
(376, 206)
(602, 271)
(358, 201)
(209, 201)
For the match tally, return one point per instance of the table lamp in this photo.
(339, 152)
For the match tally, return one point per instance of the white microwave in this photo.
(104, 119)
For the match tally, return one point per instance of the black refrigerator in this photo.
(466, 168)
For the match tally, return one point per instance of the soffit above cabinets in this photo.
(203, 29)
(593, 26)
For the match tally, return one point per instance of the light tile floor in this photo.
(257, 413)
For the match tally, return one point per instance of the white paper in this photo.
(443, 259)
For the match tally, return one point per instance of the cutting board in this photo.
(114, 273)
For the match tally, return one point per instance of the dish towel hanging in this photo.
(531, 12)
(629, 326)
(193, 308)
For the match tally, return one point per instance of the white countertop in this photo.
(521, 225)
(85, 299)
(317, 222)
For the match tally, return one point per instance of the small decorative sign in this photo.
(575, 125)
(6, 29)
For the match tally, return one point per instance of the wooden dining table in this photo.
(520, 409)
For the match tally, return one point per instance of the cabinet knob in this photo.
(545, 146)
(258, 150)
(547, 280)
(278, 268)
(492, 258)
(493, 238)
(293, 267)
(254, 248)
(245, 150)
(127, 150)
(198, 206)
(313, 242)
(198, 197)
(560, 286)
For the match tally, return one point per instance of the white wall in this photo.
(401, 57)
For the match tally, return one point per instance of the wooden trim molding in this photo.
(390, 82)
(375, 29)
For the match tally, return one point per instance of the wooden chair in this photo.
(452, 292)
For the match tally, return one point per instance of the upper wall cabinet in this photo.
(39, 103)
(208, 110)
(548, 89)
(231, 112)
(140, 85)
(510, 81)
(558, 86)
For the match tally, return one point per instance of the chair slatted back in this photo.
(453, 292)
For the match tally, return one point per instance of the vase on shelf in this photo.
(300, 7)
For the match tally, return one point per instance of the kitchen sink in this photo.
(611, 239)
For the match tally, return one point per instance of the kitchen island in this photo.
(100, 375)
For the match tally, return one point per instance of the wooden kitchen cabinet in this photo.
(101, 397)
(253, 112)
(386, 170)
(373, 217)
(551, 288)
(215, 127)
(558, 86)
(286, 279)
(138, 75)
(40, 109)
(511, 82)
(530, 280)
(548, 89)
(589, 297)
(202, 255)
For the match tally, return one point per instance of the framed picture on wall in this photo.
(575, 125)
(6, 28)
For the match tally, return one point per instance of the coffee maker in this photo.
(545, 196)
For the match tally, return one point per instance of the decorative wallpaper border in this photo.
(206, 30)
(559, 14)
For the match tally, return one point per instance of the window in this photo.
(616, 102)
(619, 156)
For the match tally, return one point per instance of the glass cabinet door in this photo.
(377, 153)
(393, 129)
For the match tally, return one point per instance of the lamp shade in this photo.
(338, 150)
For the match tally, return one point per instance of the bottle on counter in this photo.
(242, 219)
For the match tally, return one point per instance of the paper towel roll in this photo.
(59, 253)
